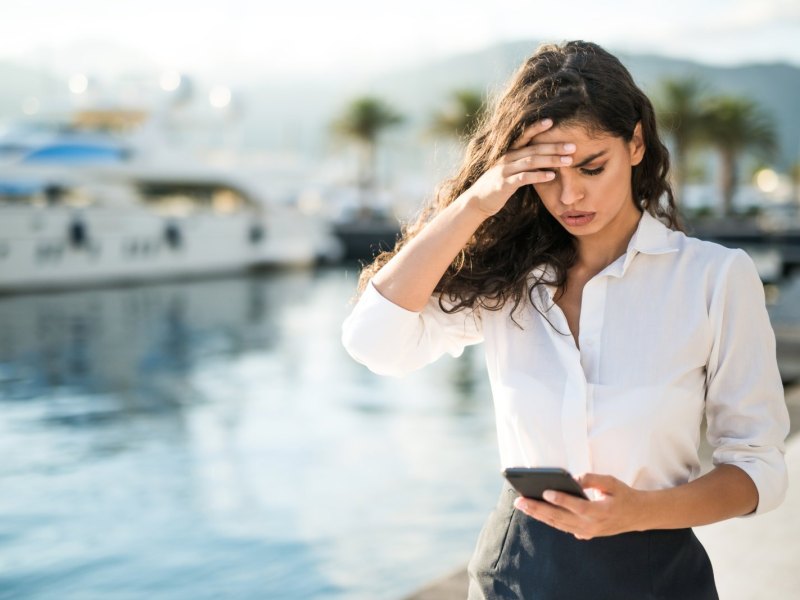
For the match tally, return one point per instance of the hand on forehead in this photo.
(590, 144)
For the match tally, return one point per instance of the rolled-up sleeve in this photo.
(745, 406)
(391, 340)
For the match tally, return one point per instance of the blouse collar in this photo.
(651, 237)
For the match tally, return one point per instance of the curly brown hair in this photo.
(575, 83)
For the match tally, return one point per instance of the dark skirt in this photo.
(522, 558)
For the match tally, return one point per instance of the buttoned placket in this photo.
(583, 365)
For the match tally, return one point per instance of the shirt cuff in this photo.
(770, 480)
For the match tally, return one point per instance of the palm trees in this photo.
(679, 111)
(730, 125)
(461, 116)
(364, 118)
(362, 121)
(733, 125)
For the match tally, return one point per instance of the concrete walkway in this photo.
(754, 559)
(759, 558)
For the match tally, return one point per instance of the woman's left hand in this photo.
(619, 509)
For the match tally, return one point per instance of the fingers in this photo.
(536, 161)
(525, 156)
(554, 516)
(530, 132)
(541, 149)
(535, 508)
(584, 519)
(530, 177)
(568, 502)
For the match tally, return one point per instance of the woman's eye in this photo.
(596, 171)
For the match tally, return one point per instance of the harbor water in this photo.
(213, 439)
(209, 439)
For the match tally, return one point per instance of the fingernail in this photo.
(547, 122)
(549, 495)
(569, 147)
(566, 159)
(518, 503)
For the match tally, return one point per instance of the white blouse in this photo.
(674, 328)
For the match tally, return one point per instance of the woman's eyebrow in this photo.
(589, 159)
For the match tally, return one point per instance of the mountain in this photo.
(278, 114)
(300, 113)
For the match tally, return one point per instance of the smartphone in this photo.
(531, 482)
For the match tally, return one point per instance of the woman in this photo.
(608, 334)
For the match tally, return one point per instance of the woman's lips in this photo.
(578, 218)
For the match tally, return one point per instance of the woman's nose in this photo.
(571, 189)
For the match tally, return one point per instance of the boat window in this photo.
(177, 199)
(44, 194)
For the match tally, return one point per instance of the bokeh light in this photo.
(78, 83)
(219, 97)
(767, 180)
(170, 81)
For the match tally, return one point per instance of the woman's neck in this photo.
(597, 251)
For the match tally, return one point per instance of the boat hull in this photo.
(60, 247)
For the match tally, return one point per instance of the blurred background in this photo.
(187, 192)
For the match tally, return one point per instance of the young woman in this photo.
(608, 334)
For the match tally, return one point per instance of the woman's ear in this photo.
(636, 145)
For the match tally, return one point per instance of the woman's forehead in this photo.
(577, 134)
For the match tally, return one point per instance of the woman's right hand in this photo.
(522, 165)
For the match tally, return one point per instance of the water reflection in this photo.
(207, 439)
(212, 438)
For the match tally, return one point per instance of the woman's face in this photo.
(597, 182)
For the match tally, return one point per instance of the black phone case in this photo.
(532, 482)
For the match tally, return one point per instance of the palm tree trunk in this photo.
(796, 182)
(363, 181)
(366, 180)
(679, 171)
(727, 179)
(372, 168)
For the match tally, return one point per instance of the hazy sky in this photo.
(243, 37)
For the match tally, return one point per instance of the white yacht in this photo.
(78, 210)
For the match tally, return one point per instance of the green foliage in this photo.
(732, 125)
(365, 118)
(362, 122)
(702, 212)
(752, 211)
(679, 113)
(678, 109)
(460, 118)
(736, 124)
(729, 124)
